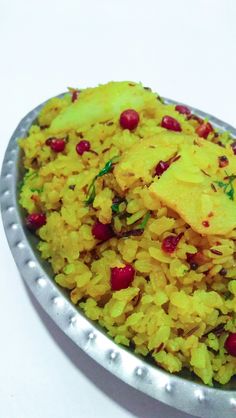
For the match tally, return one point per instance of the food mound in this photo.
(134, 203)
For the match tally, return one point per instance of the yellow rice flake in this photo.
(161, 336)
(143, 266)
(163, 224)
(128, 249)
(135, 217)
(177, 269)
(181, 300)
(103, 202)
(199, 356)
(225, 373)
(158, 254)
(232, 287)
(134, 318)
(121, 339)
(168, 361)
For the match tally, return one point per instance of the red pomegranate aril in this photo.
(57, 144)
(171, 124)
(184, 110)
(122, 277)
(74, 95)
(223, 161)
(170, 243)
(48, 142)
(204, 130)
(101, 231)
(230, 344)
(233, 146)
(35, 220)
(206, 224)
(197, 258)
(161, 167)
(83, 146)
(129, 119)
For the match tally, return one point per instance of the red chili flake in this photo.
(216, 252)
(170, 243)
(223, 161)
(206, 224)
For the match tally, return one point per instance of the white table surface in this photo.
(183, 49)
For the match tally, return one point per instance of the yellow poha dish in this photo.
(133, 201)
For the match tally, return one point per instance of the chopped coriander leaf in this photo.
(106, 169)
(227, 187)
(115, 207)
(144, 222)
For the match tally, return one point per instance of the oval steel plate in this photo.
(184, 392)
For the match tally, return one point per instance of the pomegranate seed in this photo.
(83, 146)
(103, 232)
(74, 95)
(56, 144)
(170, 243)
(170, 123)
(122, 277)
(184, 110)
(204, 130)
(48, 141)
(233, 146)
(195, 117)
(161, 167)
(129, 119)
(223, 161)
(197, 258)
(206, 224)
(35, 220)
(230, 344)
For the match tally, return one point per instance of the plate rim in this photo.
(194, 398)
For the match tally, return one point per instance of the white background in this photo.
(183, 49)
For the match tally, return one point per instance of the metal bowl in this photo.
(183, 391)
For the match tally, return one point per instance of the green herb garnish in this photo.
(227, 186)
(115, 207)
(144, 222)
(106, 169)
(37, 190)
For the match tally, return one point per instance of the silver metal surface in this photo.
(183, 391)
